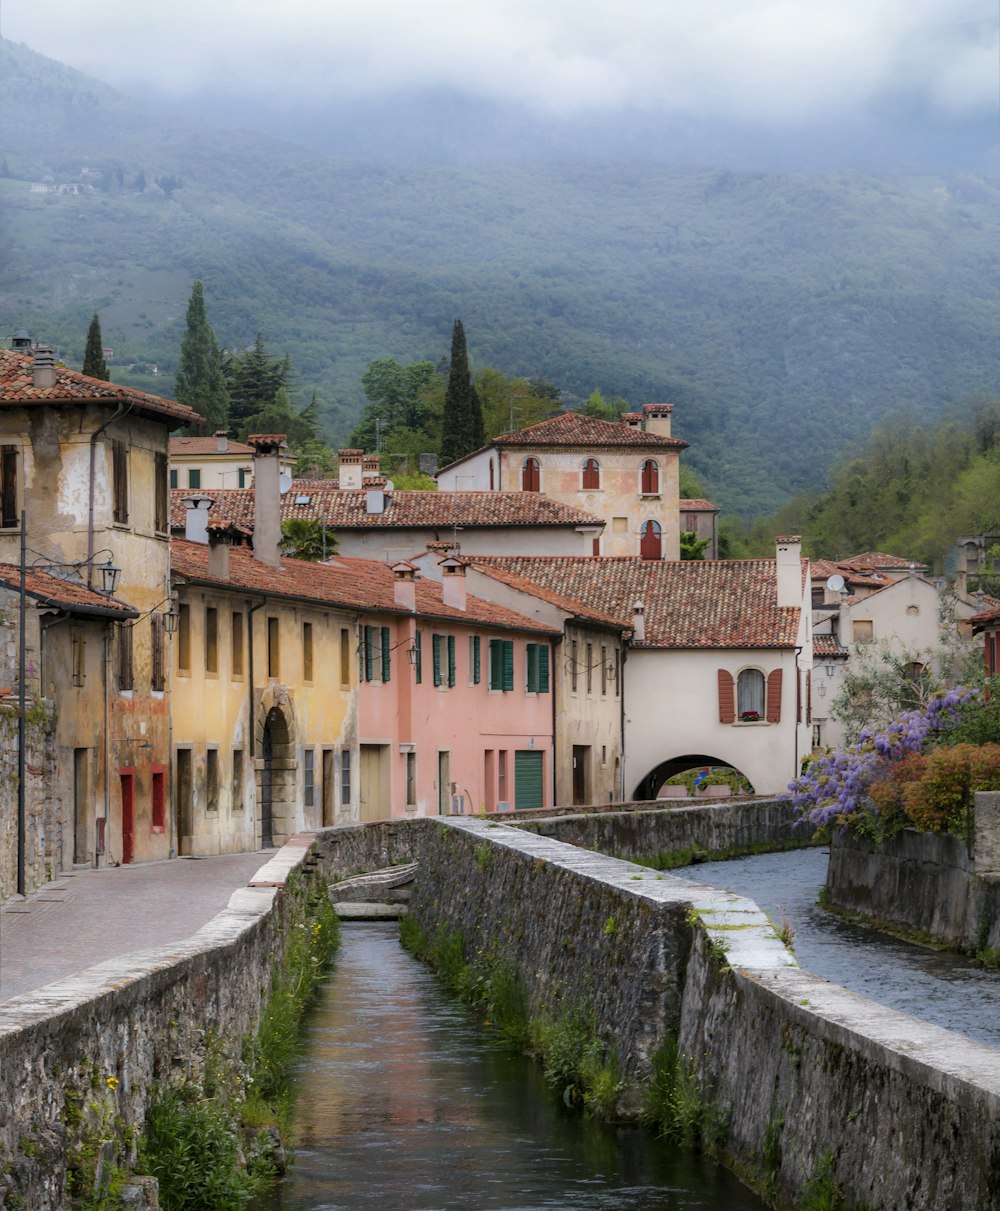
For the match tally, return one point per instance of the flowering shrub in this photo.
(841, 788)
(750, 717)
(940, 800)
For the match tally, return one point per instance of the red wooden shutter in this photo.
(774, 696)
(727, 697)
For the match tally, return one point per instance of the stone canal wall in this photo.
(78, 1057)
(804, 1082)
(929, 883)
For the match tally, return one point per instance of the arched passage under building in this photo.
(277, 780)
(649, 786)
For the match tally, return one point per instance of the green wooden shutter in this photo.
(496, 673)
(531, 662)
(508, 663)
(369, 653)
(543, 668)
(527, 779)
(451, 659)
(476, 670)
(385, 653)
(436, 649)
(418, 643)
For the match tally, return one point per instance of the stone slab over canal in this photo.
(806, 1076)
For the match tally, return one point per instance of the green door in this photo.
(527, 779)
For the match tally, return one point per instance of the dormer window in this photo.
(591, 475)
(530, 475)
(650, 479)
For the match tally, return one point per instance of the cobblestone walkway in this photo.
(84, 917)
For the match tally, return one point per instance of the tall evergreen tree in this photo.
(93, 359)
(200, 381)
(463, 429)
(254, 379)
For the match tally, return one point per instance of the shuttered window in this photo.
(418, 643)
(125, 681)
(537, 660)
(119, 474)
(750, 696)
(774, 696)
(158, 674)
(501, 664)
(436, 654)
(650, 484)
(385, 653)
(368, 652)
(727, 697)
(8, 486)
(475, 670)
(161, 505)
(451, 660)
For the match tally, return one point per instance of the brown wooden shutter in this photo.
(774, 696)
(809, 696)
(727, 697)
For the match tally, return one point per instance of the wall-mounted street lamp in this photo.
(110, 575)
(411, 655)
(830, 670)
(171, 618)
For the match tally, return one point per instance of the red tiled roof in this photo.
(688, 603)
(573, 605)
(987, 618)
(70, 595)
(358, 585)
(874, 560)
(696, 505)
(200, 446)
(17, 387)
(346, 509)
(823, 569)
(575, 429)
(827, 645)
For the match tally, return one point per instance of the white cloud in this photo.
(756, 59)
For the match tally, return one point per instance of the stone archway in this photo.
(276, 779)
(648, 787)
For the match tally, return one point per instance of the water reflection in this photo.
(938, 986)
(406, 1103)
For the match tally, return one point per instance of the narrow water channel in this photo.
(937, 986)
(406, 1103)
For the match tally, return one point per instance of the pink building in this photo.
(456, 702)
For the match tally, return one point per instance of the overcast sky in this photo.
(771, 60)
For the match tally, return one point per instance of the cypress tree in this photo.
(462, 424)
(93, 360)
(200, 381)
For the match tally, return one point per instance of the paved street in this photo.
(87, 916)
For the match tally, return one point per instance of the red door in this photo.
(128, 815)
(650, 546)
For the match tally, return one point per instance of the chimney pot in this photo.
(639, 623)
(44, 367)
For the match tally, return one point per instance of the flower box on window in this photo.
(750, 717)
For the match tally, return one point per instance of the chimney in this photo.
(196, 508)
(371, 467)
(789, 570)
(453, 583)
(218, 550)
(44, 369)
(638, 623)
(351, 464)
(404, 585)
(221, 441)
(20, 342)
(267, 449)
(656, 419)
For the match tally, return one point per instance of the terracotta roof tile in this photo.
(696, 505)
(17, 387)
(357, 585)
(208, 445)
(575, 429)
(688, 603)
(827, 645)
(346, 509)
(71, 595)
(873, 560)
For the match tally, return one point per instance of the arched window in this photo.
(591, 475)
(651, 541)
(750, 695)
(650, 485)
(530, 478)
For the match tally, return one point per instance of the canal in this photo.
(407, 1103)
(935, 985)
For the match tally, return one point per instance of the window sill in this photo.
(650, 496)
(752, 723)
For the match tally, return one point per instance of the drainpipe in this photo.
(554, 681)
(798, 699)
(119, 412)
(621, 727)
(107, 750)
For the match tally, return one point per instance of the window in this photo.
(451, 660)
(211, 640)
(307, 651)
(591, 480)
(236, 781)
(750, 695)
(194, 478)
(418, 643)
(125, 679)
(345, 778)
(590, 668)
(530, 475)
(212, 780)
(649, 480)
(436, 657)
(604, 671)
(690, 521)
(173, 477)
(502, 775)
(158, 669)
(119, 477)
(618, 672)
(411, 779)
(501, 664)
(475, 670)
(345, 658)
(273, 648)
(184, 638)
(79, 658)
(327, 792)
(372, 639)
(538, 668)
(161, 505)
(573, 670)
(241, 477)
(651, 541)
(817, 735)
(236, 644)
(308, 777)
(863, 630)
(158, 800)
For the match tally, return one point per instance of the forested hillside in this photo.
(783, 315)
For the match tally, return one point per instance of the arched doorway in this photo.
(651, 541)
(650, 786)
(277, 780)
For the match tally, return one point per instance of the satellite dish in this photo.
(836, 583)
(284, 483)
